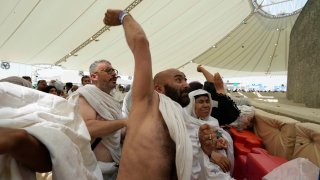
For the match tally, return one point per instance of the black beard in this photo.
(179, 96)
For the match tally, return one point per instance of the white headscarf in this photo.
(190, 109)
(203, 168)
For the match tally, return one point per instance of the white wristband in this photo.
(122, 15)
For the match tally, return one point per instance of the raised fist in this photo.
(199, 68)
(111, 17)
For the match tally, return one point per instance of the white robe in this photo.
(203, 168)
(54, 122)
(126, 105)
(109, 109)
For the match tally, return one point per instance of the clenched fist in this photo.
(111, 17)
(207, 137)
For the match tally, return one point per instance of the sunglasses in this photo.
(109, 71)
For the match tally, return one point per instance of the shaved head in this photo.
(163, 77)
(173, 83)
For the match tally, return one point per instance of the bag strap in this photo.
(95, 143)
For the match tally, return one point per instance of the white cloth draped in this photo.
(203, 168)
(54, 122)
(172, 114)
(109, 109)
(126, 106)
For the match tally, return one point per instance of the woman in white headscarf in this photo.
(216, 166)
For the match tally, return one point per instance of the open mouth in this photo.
(114, 79)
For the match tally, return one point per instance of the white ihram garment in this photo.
(109, 109)
(203, 168)
(172, 114)
(54, 122)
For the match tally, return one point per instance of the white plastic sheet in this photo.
(296, 169)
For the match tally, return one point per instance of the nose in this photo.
(206, 104)
(185, 85)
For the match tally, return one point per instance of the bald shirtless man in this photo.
(149, 151)
(173, 83)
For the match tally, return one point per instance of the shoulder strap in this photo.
(95, 143)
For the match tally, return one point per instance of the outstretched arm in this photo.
(137, 41)
(209, 77)
(215, 79)
(25, 149)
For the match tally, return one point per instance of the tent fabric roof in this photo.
(181, 34)
(258, 44)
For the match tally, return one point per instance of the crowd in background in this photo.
(65, 89)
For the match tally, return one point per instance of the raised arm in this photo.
(142, 87)
(209, 77)
(215, 79)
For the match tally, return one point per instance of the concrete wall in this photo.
(304, 57)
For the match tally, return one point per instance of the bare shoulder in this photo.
(143, 107)
(86, 110)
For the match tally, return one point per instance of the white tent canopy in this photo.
(226, 34)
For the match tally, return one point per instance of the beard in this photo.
(179, 96)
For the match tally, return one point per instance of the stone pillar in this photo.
(304, 57)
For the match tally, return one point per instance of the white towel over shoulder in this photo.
(57, 124)
(109, 109)
(172, 114)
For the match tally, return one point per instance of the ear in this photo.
(159, 89)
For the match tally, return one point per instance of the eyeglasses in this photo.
(110, 71)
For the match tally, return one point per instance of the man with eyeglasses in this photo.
(102, 115)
